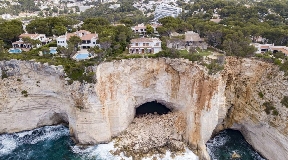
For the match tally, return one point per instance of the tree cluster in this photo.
(50, 25)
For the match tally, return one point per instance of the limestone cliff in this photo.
(35, 94)
(250, 84)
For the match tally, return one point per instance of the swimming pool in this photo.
(15, 50)
(81, 56)
(53, 50)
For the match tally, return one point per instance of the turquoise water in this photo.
(53, 51)
(54, 143)
(15, 50)
(81, 56)
(222, 146)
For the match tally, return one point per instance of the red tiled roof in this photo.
(141, 40)
(264, 47)
(89, 36)
(28, 35)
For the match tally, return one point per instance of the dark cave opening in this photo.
(152, 107)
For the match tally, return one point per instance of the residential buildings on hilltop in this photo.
(22, 44)
(165, 10)
(191, 40)
(262, 48)
(145, 45)
(141, 28)
(89, 40)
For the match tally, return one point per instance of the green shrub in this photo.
(284, 101)
(277, 62)
(268, 107)
(24, 93)
(214, 67)
(261, 95)
(275, 112)
(4, 75)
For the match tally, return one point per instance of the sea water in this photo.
(54, 143)
(222, 146)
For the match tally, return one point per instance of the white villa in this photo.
(145, 45)
(89, 39)
(21, 44)
(262, 48)
(140, 28)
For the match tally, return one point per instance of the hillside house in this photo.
(21, 44)
(145, 45)
(140, 28)
(262, 48)
(193, 39)
(89, 40)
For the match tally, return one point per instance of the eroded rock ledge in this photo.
(226, 100)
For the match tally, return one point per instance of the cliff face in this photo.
(251, 87)
(96, 112)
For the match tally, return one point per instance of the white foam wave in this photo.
(215, 142)
(103, 152)
(7, 145)
(9, 142)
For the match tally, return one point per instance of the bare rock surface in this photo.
(153, 134)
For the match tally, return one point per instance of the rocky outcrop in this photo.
(250, 86)
(35, 94)
(153, 134)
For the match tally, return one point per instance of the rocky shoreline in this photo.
(152, 134)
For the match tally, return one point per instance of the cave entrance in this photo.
(152, 107)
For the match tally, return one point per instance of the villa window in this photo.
(147, 44)
(94, 42)
(157, 44)
(136, 44)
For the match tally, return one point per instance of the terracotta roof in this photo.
(216, 20)
(70, 35)
(283, 49)
(264, 47)
(141, 40)
(17, 42)
(83, 31)
(155, 25)
(140, 27)
(192, 36)
(89, 36)
(29, 35)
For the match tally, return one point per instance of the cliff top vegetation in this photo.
(242, 22)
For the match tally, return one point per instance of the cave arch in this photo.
(152, 107)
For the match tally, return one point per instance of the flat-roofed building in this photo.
(165, 10)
